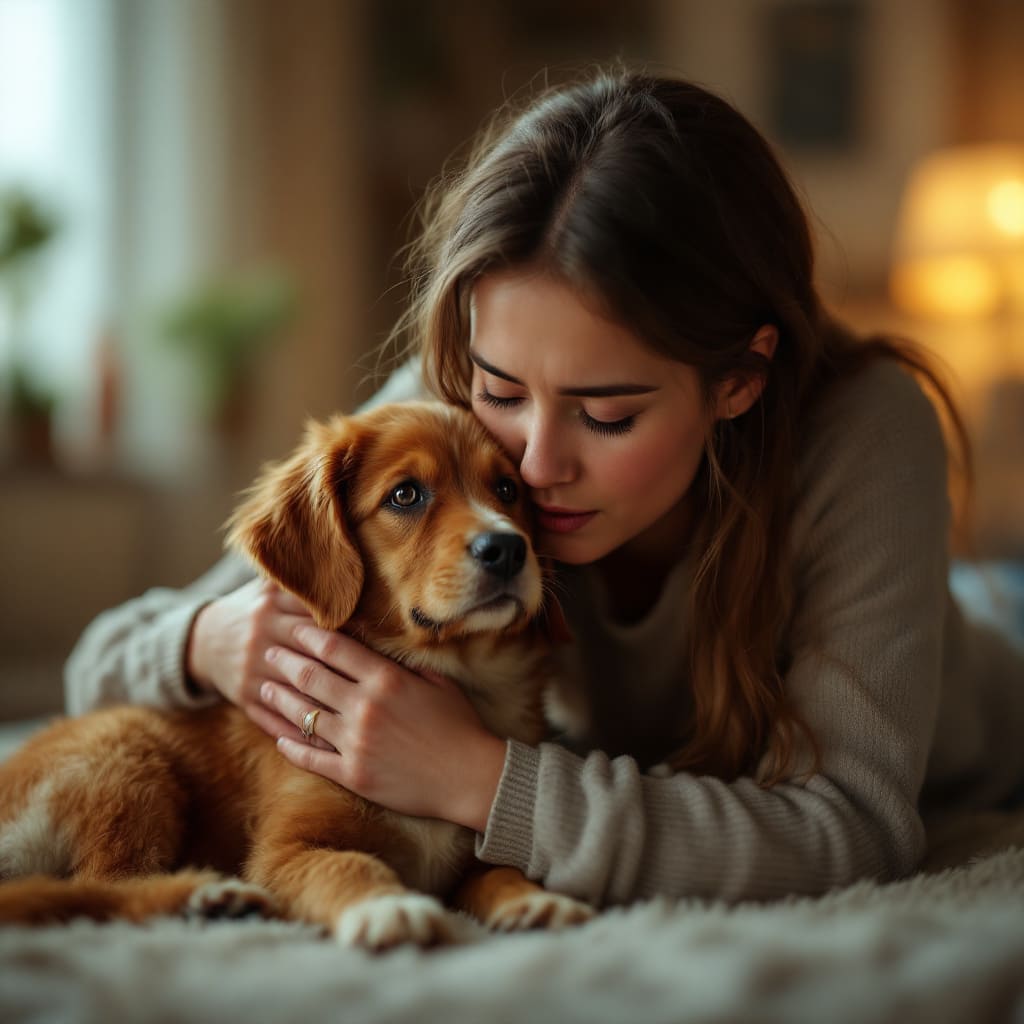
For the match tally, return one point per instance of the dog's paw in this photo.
(660, 771)
(537, 910)
(230, 898)
(382, 922)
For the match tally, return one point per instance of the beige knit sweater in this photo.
(911, 704)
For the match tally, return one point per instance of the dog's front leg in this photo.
(505, 900)
(354, 895)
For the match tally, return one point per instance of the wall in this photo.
(906, 92)
(252, 129)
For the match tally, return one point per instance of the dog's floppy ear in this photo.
(293, 525)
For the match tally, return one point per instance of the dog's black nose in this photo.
(503, 554)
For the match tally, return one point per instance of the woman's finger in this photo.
(309, 676)
(259, 670)
(288, 602)
(293, 707)
(340, 652)
(311, 759)
(274, 725)
(281, 628)
(270, 722)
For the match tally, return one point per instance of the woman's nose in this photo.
(547, 457)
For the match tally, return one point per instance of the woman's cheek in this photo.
(631, 473)
(665, 466)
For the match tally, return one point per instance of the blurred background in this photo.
(202, 204)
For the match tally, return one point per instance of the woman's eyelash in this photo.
(496, 402)
(608, 429)
(605, 428)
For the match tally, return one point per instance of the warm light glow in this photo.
(1006, 206)
(946, 286)
(959, 245)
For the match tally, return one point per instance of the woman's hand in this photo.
(406, 741)
(228, 645)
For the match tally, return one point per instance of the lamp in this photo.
(959, 247)
(958, 270)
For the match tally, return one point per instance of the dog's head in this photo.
(407, 521)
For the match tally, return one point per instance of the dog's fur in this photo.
(131, 812)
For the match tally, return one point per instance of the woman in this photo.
(749, 512)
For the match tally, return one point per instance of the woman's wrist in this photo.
(486, 770)
(197, 677)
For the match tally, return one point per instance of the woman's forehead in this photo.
(532, 320)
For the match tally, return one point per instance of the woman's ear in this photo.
(737, 394)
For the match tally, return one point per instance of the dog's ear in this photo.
(292, 523)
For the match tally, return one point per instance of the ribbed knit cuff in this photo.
(169, 648)
(508, 838)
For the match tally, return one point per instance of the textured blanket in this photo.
(944, 946)
(947, 946)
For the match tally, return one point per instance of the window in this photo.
(56, 143)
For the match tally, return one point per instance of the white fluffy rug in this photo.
(941, 947)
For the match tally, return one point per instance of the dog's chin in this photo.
(494, 615)
(489, 616)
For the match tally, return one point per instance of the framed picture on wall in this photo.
(814, 72)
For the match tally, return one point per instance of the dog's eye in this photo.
(406, 495)
(507, 490)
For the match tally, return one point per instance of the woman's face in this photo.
(607, 433)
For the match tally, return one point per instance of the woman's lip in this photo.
(562, 520)
(554, 510)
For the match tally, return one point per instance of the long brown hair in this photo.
(661, 202)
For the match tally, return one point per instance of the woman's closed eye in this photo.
(606, 428)
(497, 401)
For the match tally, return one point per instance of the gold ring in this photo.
(309, 723)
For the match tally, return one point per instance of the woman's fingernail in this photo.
(271, 653)
(266, 692)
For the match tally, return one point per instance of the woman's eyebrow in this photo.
(589, 391)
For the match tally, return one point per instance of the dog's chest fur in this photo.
(504, 679)
(504, 682)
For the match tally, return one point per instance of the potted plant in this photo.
(26, 229)
(223, 325)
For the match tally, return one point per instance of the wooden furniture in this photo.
(71, 547)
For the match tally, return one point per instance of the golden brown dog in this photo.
(405, 525)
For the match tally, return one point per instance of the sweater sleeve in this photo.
(135, 653)
(869, 536)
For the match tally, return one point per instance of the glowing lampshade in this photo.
(959, 248)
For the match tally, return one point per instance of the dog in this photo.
(408, 527)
